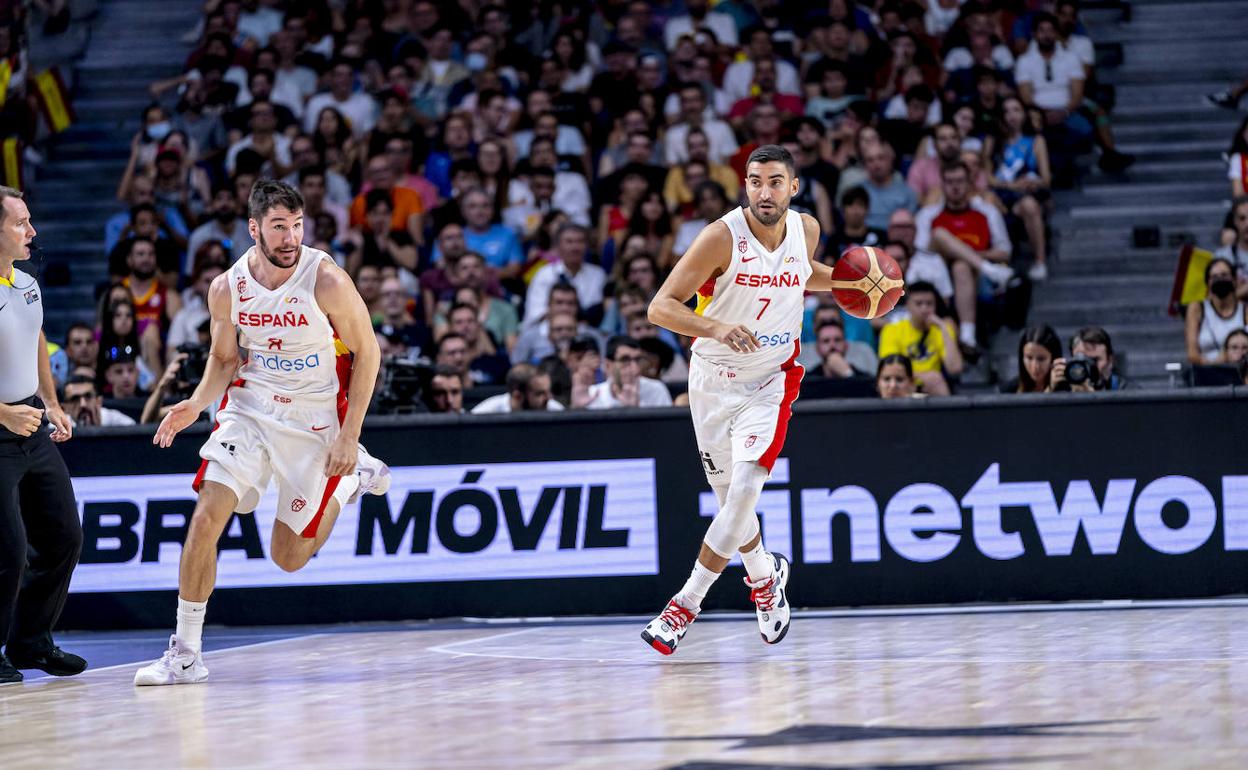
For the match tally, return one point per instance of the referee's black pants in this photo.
(40, 537)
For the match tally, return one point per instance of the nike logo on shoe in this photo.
(188, 665)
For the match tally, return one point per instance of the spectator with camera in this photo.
(85, 406)
(1208, 323)
(1039, 348)
(624, 386)
(929, 341)
(527, 390)
(178, 380)
(1093, 345)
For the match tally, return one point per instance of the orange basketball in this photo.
(866, 282)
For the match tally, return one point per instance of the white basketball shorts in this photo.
(262, 435)
(740, 416)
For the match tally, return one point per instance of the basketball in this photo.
(866, 282)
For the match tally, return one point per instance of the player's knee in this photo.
(289, 560)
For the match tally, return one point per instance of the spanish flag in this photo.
(54, 100)
(1189, 278)
(11, 163)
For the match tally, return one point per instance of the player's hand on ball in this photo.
(342, 456)
(738, 337)
(179, 416)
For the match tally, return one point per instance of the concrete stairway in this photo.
(1175, 52)
(133, 43)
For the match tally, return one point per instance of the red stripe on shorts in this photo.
(344, 381)
(203, 465)
(792, 383)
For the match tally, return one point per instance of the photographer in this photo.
(403, 383)
(179, 380)
(1092, 344)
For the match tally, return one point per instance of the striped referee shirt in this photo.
(21, 318)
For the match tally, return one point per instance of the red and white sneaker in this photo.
(665, 632)
(771, 603)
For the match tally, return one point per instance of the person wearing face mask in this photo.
(1207, 324)
(1236, 252)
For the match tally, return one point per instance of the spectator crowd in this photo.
(509, 183)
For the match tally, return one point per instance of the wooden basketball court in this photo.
(1165, 686)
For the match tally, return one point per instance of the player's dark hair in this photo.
(773, 153)
(1044, 336)
(268, 194)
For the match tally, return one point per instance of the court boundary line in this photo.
(89, 670)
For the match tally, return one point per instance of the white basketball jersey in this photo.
(288, 338)
(761, 289)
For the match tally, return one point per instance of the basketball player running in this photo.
(285, 416)
(750, 270)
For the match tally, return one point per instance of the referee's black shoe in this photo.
(48, 658)
(8, 673)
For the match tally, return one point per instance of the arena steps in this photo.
(133, 43)
(1174, 53)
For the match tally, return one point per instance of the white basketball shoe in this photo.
(771, 602)
(665, 632)
(179, 665)
(374, 476)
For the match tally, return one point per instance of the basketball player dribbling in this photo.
(750, 270)
(290, 414)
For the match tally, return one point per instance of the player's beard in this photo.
(272, 256)
(772, 215)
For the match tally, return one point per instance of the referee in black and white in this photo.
(40, 534)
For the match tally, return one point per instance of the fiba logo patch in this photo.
(242, 285)
(742, 245)
(749, 442)
(31, 297)
(297, 504)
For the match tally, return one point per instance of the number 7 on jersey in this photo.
(766, 302)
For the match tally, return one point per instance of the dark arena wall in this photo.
(995, 498)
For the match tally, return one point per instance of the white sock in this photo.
(966, 333)
(694, 591)
(758, 563)
(191, 623)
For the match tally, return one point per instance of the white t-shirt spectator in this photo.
(721, 24)
(109, 418)
(1236, 256)
(650, 393)
(740, 76)
(260, 24)
(1236, 170)
(960, 58)
(571, 197)
(359, 109)
(568, 141)
(1080, 45)
(938, 19)
(501, 404)
(686, 233)
(185, 325)
(588, 282)
(281, 150)
(1052, 84)
(718, 133)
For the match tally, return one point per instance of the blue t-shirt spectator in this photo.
(498, 245)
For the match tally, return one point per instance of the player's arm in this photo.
(820, 274)
(708, 257)
(348, 314)
(219, 369)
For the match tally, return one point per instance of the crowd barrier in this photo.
(996, 498)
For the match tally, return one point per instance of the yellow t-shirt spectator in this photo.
(925, 349)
